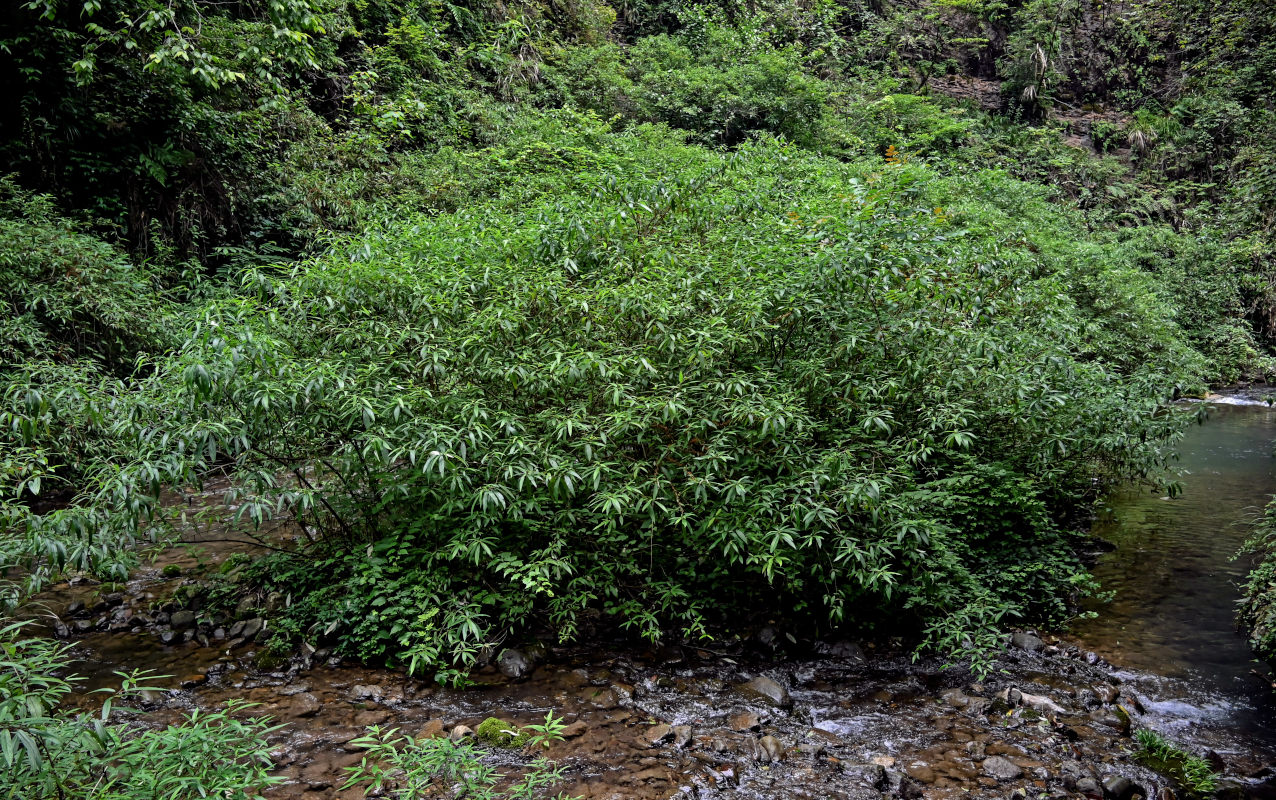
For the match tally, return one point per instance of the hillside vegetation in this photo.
(536, 317)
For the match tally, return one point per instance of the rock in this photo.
(181, 620)
(769, 637)
(681, 736)
(767, 689)
(275, 602)
(656, 734)
(574, 730)
(245, 608)
(219, 633)
(461, 732)
(1118, 787)
(955, 698)
(1166, 793)
(196, 679)
(501, 733)
(168, 637)
(76, 607)
(514, 665)
(1001, 768)
(1026, 641)
(237, 630)
(601, 698)
(1114, 718)
(1041, 703)
(366, 692)
(60, 629)
(252, 628)
(884, 761)
(671, 655)
(307, 705)
(744, 721)
(845, 650)
(772, 747)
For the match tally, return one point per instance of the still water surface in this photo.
(1176, 576)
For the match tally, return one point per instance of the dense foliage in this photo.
(47, 751)
(537, 317)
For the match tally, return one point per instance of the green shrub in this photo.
(48, 751)
(647, 399)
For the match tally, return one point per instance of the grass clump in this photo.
(1193, 774)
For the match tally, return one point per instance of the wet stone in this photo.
(366, 692)
(657, 734)
(306, 705)
(1118, 787)
(744, 721)
(1001, 768)
(769, 690)
(514, 665)
(574, 730)
(461, 732)
(772, 747)
(681, 736)
(1026, 641)
(251, 628)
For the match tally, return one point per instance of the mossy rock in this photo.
(171, 571)
(499, 733)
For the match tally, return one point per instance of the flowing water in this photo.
(1176, 575)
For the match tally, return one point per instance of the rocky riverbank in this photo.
(746, 719)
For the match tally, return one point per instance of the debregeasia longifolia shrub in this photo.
(769, 381)
(50, 752)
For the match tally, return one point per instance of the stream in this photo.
(830, 720)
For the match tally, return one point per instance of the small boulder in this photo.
(366, 692)
(461, 732)
(181, 620)
(1001, 768)
(772, 747)
(1026, 641)
(744, 721)
(681, 736)
(514, 665)
(769, 690)
(657, 734)
(252, 627)
(574, 730)
(1118, 787)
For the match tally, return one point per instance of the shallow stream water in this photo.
(1176, 573)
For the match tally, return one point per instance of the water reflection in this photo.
(1174, 572)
